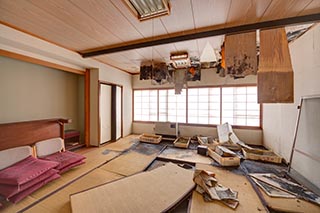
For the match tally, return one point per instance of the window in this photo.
(240, 107)
(209, 106)
(204, 105)
(145, 105)
(172, 107)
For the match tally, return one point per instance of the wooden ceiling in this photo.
(83, 25)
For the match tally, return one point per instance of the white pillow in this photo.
(11, 156)
(48, 147)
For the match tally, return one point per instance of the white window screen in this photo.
(240, 107)
(204, 105)
(145, 105)
(172, 107)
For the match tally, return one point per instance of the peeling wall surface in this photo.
(279, 120)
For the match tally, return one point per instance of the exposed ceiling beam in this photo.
(204, 34)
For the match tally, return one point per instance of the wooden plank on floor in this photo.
(186, 155)
(152, 191)
(123, 144)
(60, 201)
(249, 201)
(94, 159)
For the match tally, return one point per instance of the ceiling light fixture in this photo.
(147, 9)
(180, 60)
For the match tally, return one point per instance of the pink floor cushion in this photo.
(67, 168)
(10, 190)
(25, 171)
(16, 198)
(64, 158)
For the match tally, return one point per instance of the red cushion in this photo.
(25, 171)
(10, 190)
(67, 168)
(16, 198)
(64, 158)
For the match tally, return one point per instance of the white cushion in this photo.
(11, 156)
(48, 147)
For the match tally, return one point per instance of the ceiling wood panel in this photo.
(180, 18)
(148, 28)
(83, 25)
(77, 19)
(280, 9)
(246, 11)
(36, 21)
(107, 15)
(210, 12)
(313, 7)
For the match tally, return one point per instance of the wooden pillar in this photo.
(87, 107)
(275, 75)
(114, 113)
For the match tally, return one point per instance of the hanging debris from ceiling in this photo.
(161, 74)
(145, 72)
(241, 54)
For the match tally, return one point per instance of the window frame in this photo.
(202, 125)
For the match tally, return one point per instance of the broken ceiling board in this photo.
(289, 204)
(152, 191)
(185, 155)
(248, 199)
(123, 144)
(60, 201)
(275, 75)
(93, 160)
(241, 54)
(272, 191)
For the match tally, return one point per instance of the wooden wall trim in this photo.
(87, 107)
(40, 62)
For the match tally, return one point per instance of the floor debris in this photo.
(208, 186)
(287, 186)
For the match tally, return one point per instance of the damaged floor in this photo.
(128, 158)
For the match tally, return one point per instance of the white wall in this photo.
(208, 78)
(279, 120)
(22, 43)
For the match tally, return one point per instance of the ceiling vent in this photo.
(148, 9)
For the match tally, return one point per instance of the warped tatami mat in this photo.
(152, 191)
(133, 161)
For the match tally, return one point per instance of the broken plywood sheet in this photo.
(287, 186)
(241, 54)
(94, 159)
(60, 201)
(248, 199)
(152, 191)
(123, 144)
(275, 75)
(136, 160)
(185, 155)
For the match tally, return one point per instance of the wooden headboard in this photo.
(30, 132)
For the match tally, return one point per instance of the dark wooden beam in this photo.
(209, 33)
